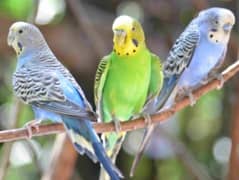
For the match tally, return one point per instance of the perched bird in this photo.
(43, 82)
(126, 80)
(195, 57)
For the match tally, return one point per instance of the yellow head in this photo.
(128, 36)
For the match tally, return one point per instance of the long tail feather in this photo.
(142, 147)
(112, 170)
(86, 141)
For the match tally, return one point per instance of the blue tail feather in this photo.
(112, 170)
(168, 86)
(86, 141)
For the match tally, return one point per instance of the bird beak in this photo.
(119, 36)
(227, 27)
(10, 38)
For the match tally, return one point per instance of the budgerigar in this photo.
(194, 58)
(43, 82)
(126, 79)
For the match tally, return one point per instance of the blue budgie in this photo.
(195, 57)
(43, 82)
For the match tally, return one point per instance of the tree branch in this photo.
(21, 133)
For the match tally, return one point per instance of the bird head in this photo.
(128, 35)
(24, 37)
(217, 23)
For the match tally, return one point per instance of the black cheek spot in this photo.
(118, 53)
(216, 41)
(127, 54)
(133, 29)
(19, 45)
(136, 43)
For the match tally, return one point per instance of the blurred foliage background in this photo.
(194, 144)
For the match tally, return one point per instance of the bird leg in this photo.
(219, 77)
(34, 124)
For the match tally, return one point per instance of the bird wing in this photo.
(179, 58)
(49, 91)
(100, 78)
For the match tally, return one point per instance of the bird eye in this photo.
(20, 31)
(211, 35)
(133, 29)
(216, 22)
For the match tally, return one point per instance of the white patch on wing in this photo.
(76, 138)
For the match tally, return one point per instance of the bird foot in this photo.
(186, 91)
(147, 119)
(191, 98)
(220, 78)
(204, 81)
(117, 126)
(34, 124)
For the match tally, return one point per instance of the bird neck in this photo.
(33, 54)
(23, 58)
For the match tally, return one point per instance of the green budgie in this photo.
(126, 81)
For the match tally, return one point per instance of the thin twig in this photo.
(194, 167)
(83, 20)
(17, 134)
(7, 148)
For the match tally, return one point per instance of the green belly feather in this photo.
(126, 86)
